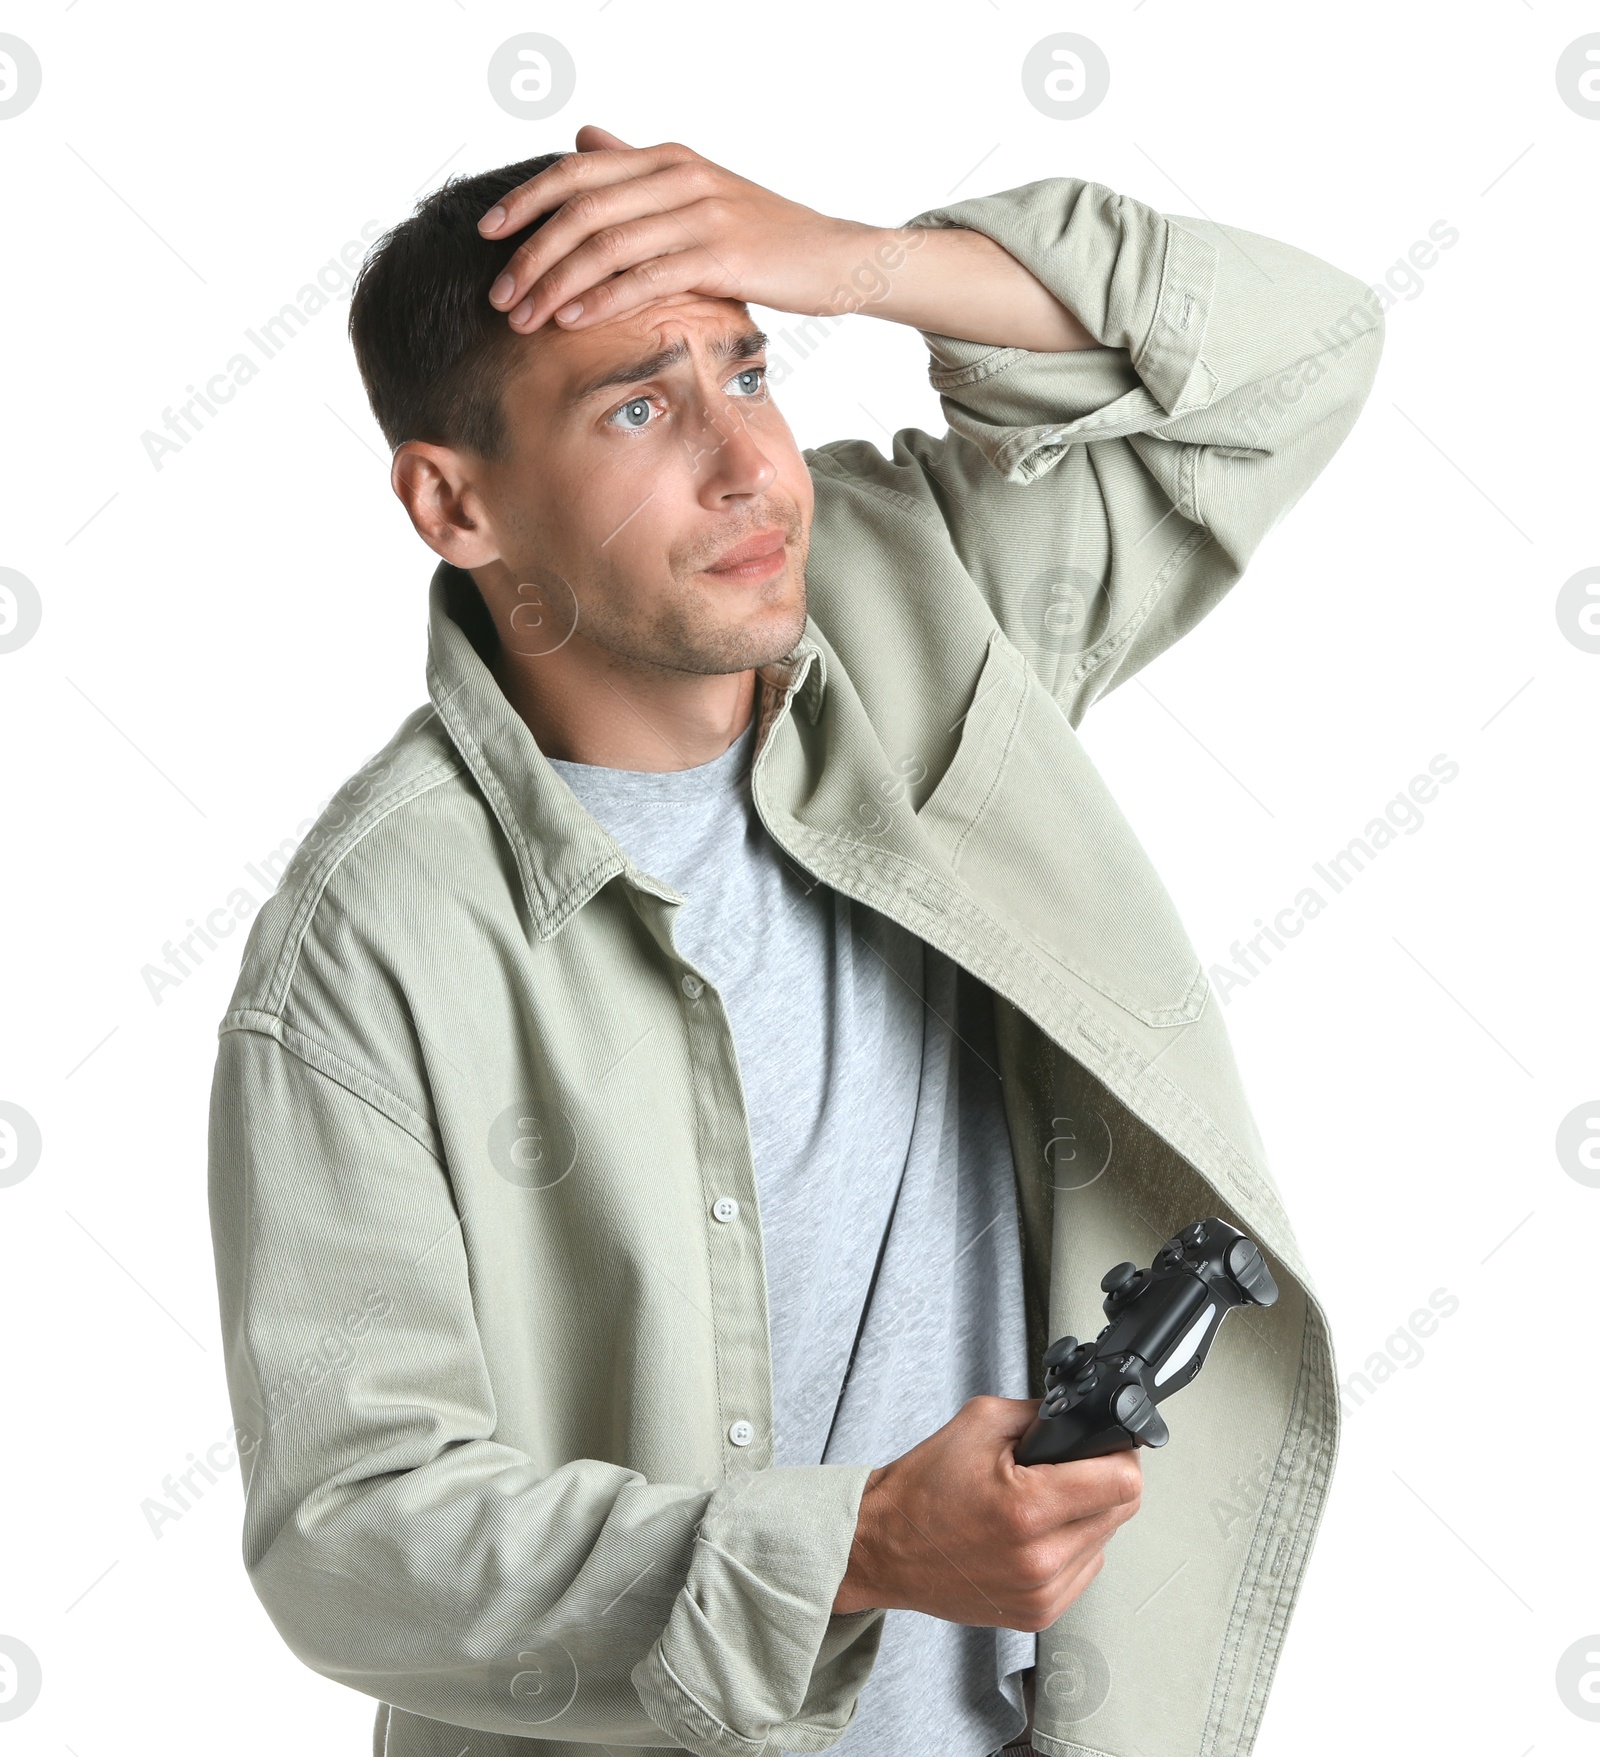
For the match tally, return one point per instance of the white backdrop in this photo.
(223, 638)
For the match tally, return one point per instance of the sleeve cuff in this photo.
(1140, 283)
(751, 1652)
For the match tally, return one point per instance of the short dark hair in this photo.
(434, 354)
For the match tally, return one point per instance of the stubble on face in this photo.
(650, 605)
(678, 620)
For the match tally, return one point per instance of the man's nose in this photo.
(727, 458)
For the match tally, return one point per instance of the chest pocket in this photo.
(1028, 826)
(953, 813)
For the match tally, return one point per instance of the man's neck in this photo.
(590, 706)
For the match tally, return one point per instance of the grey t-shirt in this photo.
(885, 1181)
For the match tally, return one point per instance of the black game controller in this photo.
(1101, 1396)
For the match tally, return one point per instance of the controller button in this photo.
(1194, 1235)
(1059, 1350)
(1129, 1403)
(1118, 1278)
(1250, 1273)
(1134, 1410)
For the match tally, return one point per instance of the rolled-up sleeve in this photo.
(1145, 471)
(402, 1549)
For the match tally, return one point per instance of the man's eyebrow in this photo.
(736, 345)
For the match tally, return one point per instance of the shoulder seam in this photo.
(332, 1066)
(317, 879)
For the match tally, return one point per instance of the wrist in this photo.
(864, 267)
(860, 1589)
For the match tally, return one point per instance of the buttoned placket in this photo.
(735, 1253)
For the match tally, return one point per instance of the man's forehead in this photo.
(637, 343)
(680, 313)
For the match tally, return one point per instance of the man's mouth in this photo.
(757, 558)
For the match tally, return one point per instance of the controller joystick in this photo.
(1101, 1396)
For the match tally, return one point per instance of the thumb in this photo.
(1007, 1418)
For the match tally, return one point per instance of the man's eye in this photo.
(752, 379)
(634, 414)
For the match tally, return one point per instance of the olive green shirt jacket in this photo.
(496, 1339)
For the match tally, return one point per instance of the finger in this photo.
(609, 252)
(573, 171)
(1004, 1417)
(1074, 1585)
(590, 212)
(685, 271)
(1078, 1545)
(590, 137)
(1087, 1486)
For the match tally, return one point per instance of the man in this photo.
(686, 1078)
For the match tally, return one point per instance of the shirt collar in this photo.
(563, 854)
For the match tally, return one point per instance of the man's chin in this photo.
(744, 649)
(760, 636)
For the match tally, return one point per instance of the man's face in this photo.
(628, 483)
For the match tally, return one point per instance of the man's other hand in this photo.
(630, 224)
(958, 1529)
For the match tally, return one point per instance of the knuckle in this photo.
(611, 240)
(585, 205)
(1020, 1520)
(653, 272)
(1034, 1567)
(1037, 1611)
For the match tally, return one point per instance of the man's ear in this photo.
(438, 487)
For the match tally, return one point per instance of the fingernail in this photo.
(523, 311)
(573, 308)
(501, 290)
(493, 218)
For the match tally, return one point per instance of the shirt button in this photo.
(724, 1209)
(692, 986)
(741, 1433)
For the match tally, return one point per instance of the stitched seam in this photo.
(1297, 1545)
(1253, 1584)
(1143, 350)
(317, 879)
(565, 902)
(881, 490)
(340, 1072)
(700, 1707)
(499, 803)
(1187, 546)
(999, 769)
(997, 360)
